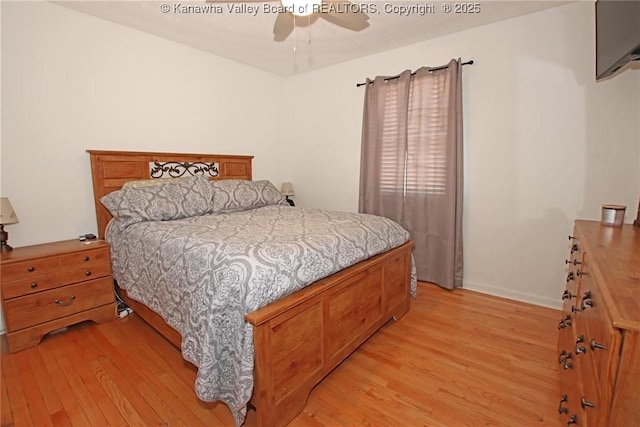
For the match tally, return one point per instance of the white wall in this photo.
(544, 143)
(72, 82)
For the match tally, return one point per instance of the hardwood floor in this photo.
(458, 358)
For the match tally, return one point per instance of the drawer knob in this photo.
(586, 404)
(562, 409)
(567, 295)
(570, 276)
(86, 258)
(580, 273)
(586, 303)
(571, 237)
(579, 339)
(580, 349)
(88, 273)
(573, 419)
(574, 248)
(31, 269)
(595, 344)
(566, 322)
(567, 365)
(574, 262)
(65, 303)
(34, 285)
(564, 356)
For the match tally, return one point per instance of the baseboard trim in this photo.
(514, 295)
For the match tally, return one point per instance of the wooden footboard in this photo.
(301, 338)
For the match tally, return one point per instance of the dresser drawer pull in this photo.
(586, 404)
(88, 273)
(566, 322)
(570, 277)
(567, 295)
(574, 248)
(580, 273)
(562, 409)
(567, 365)
(573, 419)
(571, 237)
(65, 303)
(31, 269)
(564, 356)
(34, 285)
(580, 349)
(86, 258)
(574, 262)
(586, 303)
(595, 344)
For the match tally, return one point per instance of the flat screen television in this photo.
(617, 35)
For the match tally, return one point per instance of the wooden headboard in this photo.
(111, 169)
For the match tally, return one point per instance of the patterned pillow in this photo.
(163, 202)
(234, 195)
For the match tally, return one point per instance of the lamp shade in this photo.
(287, 189)
(7, 214)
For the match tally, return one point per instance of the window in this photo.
(423, 163)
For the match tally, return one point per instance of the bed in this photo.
(296, 339)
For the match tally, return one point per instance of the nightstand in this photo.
(47, 287)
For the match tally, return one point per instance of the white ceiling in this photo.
(248, 38)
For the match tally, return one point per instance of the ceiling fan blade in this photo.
(341, 13)
(283, 26)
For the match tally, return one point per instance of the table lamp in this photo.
(7, 216)
(287, 190)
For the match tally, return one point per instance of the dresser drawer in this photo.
(44, 306)
(593, 404)
(603, 341)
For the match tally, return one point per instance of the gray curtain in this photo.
(411, 164)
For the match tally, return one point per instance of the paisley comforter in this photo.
(202, 274)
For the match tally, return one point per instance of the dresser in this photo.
(599, 330)
(49, 286)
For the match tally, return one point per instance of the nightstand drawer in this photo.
(73, 274)
(19, 288)
(44, 306)
(42, 283)
(86, 259)
(30, 269)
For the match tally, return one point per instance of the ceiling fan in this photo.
(338, 12)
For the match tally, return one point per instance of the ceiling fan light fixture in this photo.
(302, 7)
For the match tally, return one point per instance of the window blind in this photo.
(421, 167)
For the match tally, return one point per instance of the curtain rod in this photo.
(413, 74)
